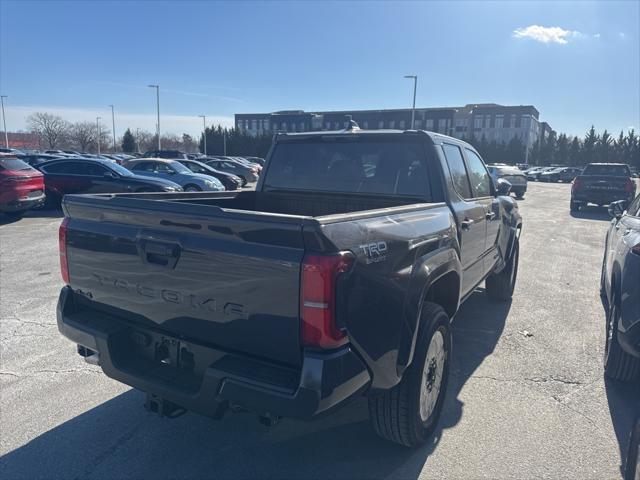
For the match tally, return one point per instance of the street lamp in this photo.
(413, 110)
(157, 87)
(98, 135)
(204, 132)
(4, 120)
(113, 122)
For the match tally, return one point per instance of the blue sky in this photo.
(578, 63)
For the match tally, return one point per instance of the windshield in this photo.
(180, 168)
(607, 170)
(350, 165)
(13, 164)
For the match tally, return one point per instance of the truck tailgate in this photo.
(225, 278)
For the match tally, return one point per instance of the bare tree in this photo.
(82, 135)
(50, 129)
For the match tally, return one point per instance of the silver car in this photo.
(176, 172)
(513, 175)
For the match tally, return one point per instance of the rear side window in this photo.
(62, 167)
(480, 179)
(458, 171)
(351, 165)
(13, 164)
(607, 170)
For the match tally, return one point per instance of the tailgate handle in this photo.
(160, 253)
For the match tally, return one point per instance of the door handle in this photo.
(466, 223)
(164, 254)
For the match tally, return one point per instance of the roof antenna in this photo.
(352, 126)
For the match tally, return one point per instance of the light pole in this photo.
(204, 132)
(113, 123)
(157, 87)
(98, 134)
(4, 120)
(413, 110)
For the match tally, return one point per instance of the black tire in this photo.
(396, 413)
(244, 180)
(52, 201)
(520, 196)
(618, 364)
(575, 206)
(500, 286)
(192, 188)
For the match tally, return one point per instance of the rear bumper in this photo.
(325, 381)
(603, 198)
(19, 204)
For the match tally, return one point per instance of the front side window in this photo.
(457, 169)
(62, 167)
(480, 179)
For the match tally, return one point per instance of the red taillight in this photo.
(577, 184)
(629, 186)
(62, 247)
(318, 299)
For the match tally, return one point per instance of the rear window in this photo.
(350, 165)
(607, 170)
(13, 164)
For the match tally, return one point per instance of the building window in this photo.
(254, 124)
(301, 127)
(365, 124)
(380, 124)
(402, 124)
(524, 121)
(499, 120)
(418, 123)
(392, 124)
(429, 125)
(487, 121)
(477, 123)
(337, 125)
(266, 124)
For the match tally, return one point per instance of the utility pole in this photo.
(204, 132)
(413, 110)
(98, 134)
(4, 120)
(157, 87)
(113, 122)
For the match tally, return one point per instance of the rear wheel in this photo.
(408, 413)
(500, 286)
(192, 188)
(618, 364)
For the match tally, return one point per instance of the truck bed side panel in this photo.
(390, 250)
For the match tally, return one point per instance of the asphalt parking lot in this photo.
(527, 398)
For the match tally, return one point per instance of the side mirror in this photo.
(503, 187)
(617, 209)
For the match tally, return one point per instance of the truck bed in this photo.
(217, 268)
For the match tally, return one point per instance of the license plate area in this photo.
(162, 359)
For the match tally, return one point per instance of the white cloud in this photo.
(597, 35)
(179, 124)
(622, 34)
(546, 34)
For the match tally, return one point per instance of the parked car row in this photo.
(33, 179)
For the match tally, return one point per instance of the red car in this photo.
(21, 186)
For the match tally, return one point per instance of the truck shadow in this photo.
(117, 439)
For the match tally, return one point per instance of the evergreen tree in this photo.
(589, 146)
(561, 155)
(603, 147)
(575, 153)
(128, 142)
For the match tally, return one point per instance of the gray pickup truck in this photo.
(337, 277)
